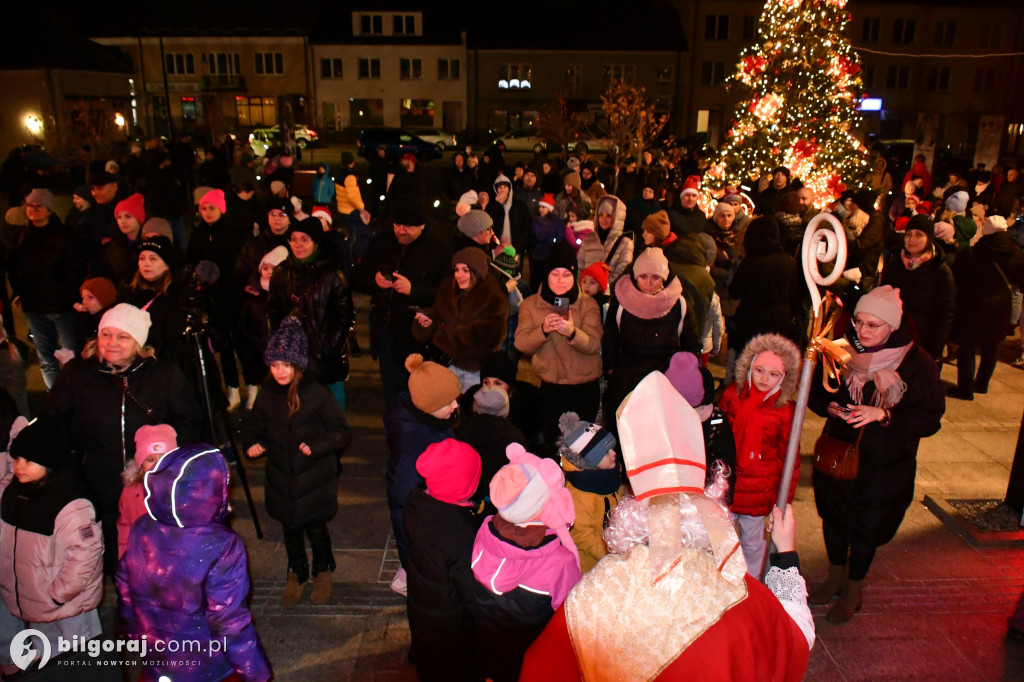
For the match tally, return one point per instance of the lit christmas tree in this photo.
(802, 89)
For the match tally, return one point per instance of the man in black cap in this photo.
(98, 225)
(401, 270)
(768, 196)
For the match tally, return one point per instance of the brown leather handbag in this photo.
(837, 458)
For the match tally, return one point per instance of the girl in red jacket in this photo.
(759, 406)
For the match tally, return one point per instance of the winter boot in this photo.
(250, 396)
(323, 585)
(831, 587)
(849, 602)
(234, 400)
(292, 591)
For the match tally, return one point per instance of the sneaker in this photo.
(250, 396)
(399, 584)
(234, 399)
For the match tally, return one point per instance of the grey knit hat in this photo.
(491, 400)
(475, 222)
(288, 344)
(42, 197)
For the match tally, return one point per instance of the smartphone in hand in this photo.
(562, 306)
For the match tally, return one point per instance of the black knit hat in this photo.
(408, 210)
(865, 200)
(162, 247)
(562, 256)
(276, 203)
(288, 344)
(45, 442)
(312, 227)
(922, 223)
(497, 365)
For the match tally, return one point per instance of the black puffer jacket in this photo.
(300, 489)
(44, 268)
(929, 297)
(440, 582)
(983, 299)
(519, 221)
(103, 410)
(766, 285)
(318, 294)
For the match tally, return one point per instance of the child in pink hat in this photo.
(151, 443)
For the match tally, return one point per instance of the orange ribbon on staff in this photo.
(833, 356)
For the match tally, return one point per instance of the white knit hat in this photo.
(993, 224)
(884, 303)
(128, 318)
(651, 262)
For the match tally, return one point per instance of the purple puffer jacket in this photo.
(184, 576)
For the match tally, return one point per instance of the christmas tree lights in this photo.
(802, 88)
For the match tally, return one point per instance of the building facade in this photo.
(217, 83)
(389, 68)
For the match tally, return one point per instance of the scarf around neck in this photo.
(877, 365)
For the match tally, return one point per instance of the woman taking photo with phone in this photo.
(560, 327)
(643, 328)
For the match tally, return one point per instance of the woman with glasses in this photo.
(889, 400)
(309, 286)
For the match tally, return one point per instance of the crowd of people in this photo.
(513, 503)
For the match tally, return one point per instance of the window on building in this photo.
(945, 32)
(270, 63)
(872, 27)
(898, 78)
(749, 27)
(938, 79)
(369, 69)
(716, 27)
(663, 74)
(868, 76)
(573, 80)
(622, 73)
(515, 76)
(404, 24)
(256, 112)
(448, 69)
(366, 112)
(371, 24)
(985, 80)
(416, 112)
(330, 68)
(180, 63)
(712, 73)
(188, 109)
(410, 69)
(223, 63)
(903, 31)
(991, 35)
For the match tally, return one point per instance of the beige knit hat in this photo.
(432, 386)
(884, 303)
(651, 262)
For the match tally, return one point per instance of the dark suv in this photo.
(397, 142)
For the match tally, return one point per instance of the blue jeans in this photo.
(46, 331)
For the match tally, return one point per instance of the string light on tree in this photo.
(802, 85)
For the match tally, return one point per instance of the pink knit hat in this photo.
(154, 440)
(685, 375)
(215, 197)
(531, 489)
(451, 469)
(134, 206)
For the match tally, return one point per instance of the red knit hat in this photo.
(599, 271)
(134, 206)
(451, 469)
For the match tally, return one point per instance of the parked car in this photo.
(522, 140)
(397, 142)
(304, 136)
(441, 138)
(261, 140)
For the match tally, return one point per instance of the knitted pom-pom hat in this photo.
(431, 386)
(288, 344)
